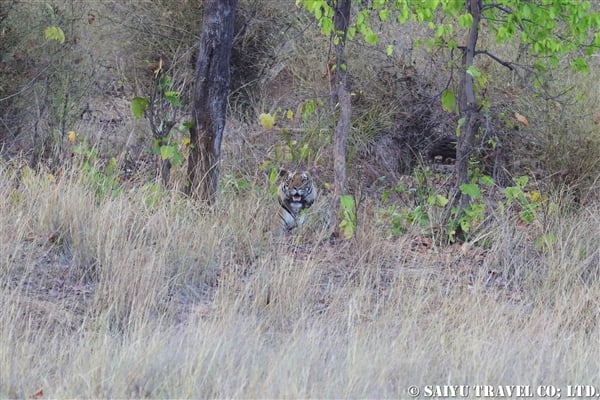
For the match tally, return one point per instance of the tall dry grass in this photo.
(119, 296)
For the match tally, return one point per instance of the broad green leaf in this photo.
(404, 14)
(177, 159)
(348, 217)
(439, 32)
(371, 38)
(167, 152)
(522, 180)
(266, 120)
(448, 101)
(384, 15)
(54, 33)
(351, 33)
(378, 4)
(326, 26)
(465, 20)
(389, 50)
(437, 200)
(347, 203)
(173, 98)
(318, 11)
(473, 71)
(138, 106)
(527, 215)
(308, 109)
(579, 64)
(486, 180)
(165, 82)
(471, 190)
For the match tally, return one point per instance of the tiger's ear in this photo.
(283, 172)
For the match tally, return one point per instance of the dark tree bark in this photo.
(468, 108)
(341, 19)
(210, 98)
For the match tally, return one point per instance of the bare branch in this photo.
(506, 64)
(498, 6)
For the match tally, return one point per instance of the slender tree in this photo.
(341, 96)
(210, 98)
(467, 104)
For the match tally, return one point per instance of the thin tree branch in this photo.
(506, 64)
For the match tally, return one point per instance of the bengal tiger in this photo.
(296, 193)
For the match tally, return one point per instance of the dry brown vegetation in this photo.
(114, 297)
(114, 286)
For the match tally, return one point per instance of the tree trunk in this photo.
(210, 99)
(341, 20)
(468, 108)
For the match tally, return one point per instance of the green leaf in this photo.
(177, 159)
(138, 106)
(187, 125)
(440, 31)
(437, 200)
(473, 71)
(165, 82)
(266, 120)
(580, 65)
(348, 217)
(471, 190)
(527, 215)
(384, 15)
(167, 152)
(371, 38)
(389, 50)
(378, 4)
(486, 180)
(318, 11)
(465, 20)
(448, 101)
(347, 203)
(522, 181)
(351, 33)
(326, 26)
(173, 98)
(54, 33)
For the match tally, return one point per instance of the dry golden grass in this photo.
(122, 297)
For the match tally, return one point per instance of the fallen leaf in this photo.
(38, 394)
(521, 119)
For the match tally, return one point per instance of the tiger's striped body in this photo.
(296, 193)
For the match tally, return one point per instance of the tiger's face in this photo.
(296, 192)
